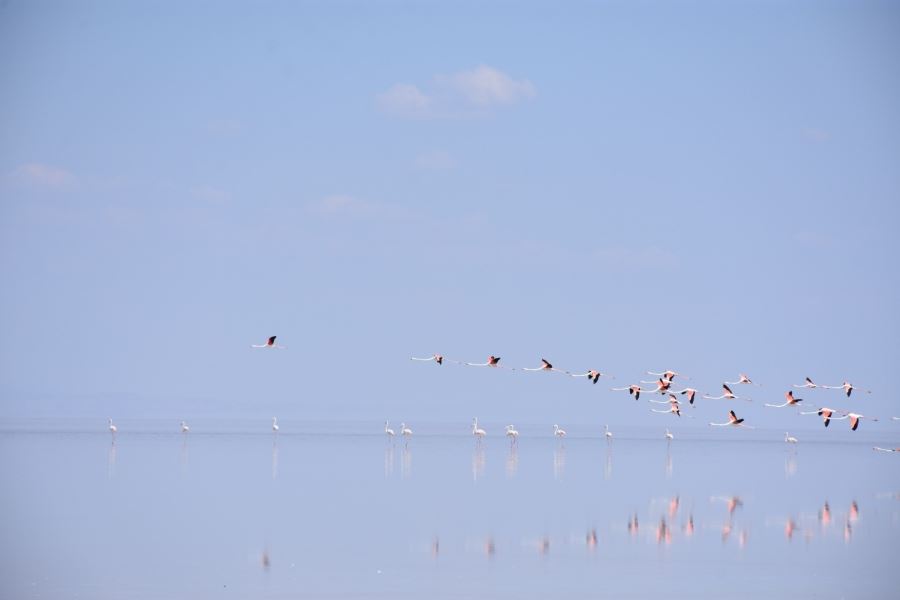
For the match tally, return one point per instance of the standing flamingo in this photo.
(405, 431)
(608, 433)
(275, 424)
(478, 432)
(789, 439)
(112, 428)
(184, 427)
(558, 432)
(669, 436)
(388, 431)
(512, 434)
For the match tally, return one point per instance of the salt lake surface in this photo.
(334, 510)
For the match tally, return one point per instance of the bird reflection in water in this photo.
(388, 460)
(274, 459)
(663, 533)
(111, 459)
(477, 461)
(512, 461)
(607, 468)
(264, 560)
(668, 463)
(689, 526)
(591, 539)
(184, 454)
(405, 462)
(435, 547)
(790, 526)
(633, 527)
(790, 465)
(559, 461)
(544, 546)
(673, 507)
(489, 547)
(854, 512)
(848, 531)
(825, 515)
(742, 538)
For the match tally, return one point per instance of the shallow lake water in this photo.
(334, 510)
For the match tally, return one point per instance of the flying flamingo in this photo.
(405, 431)
(809, 384)
(478, 432)
(670, 375)
(732, 420)
(880, 449)
(691, 392)
(741, 379)
(727, 394)
(270, 343)
(492, 361)
(545, 366)
(275, 424)
(558, 432)
(184, 427)
(789, 395)
(854, 420)
(662, 385)
(674, 408)
(112, 428)
(634, 390)
(846, 386)
(592, 375)
(439, 359)
(673, 399)
(789, 439)
(388, 431)
(827, 415)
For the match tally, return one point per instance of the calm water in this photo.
(231, 511)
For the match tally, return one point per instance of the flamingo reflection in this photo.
(389, 460)
(274, 459)
(405, 462)
(512, 461)
(477, 462)
(559, 462)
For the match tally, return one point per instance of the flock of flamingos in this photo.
(663, 386)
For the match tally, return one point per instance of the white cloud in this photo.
(404, 99)
(43, 175)
(486, 86)
(459, 94)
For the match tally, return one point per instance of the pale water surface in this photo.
(333, 510)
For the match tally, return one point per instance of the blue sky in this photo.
(623, 186)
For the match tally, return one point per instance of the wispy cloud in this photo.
(620, 258)
(42, 175)
(464, 93)
(346, 205)
(404, 99)
(435, 161)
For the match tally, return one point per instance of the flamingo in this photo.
(512, 434)
(560, 433)
(691, 392)
(880, 449)
(674, 408)
(608, 433)
(846, 386)
(270, 343)
(741, 379)
(827, 415)
(670, 375)
(669, 436)
(727, 394)
(405, 431)
(592, 375)
(854, 419)
(546, 366)
(112, 428)
(492, 361)
(809, 384)
(789, 439)
(673, 399)
(789, 395)
(388, 431)
(439, 359)
(275, 424)
(634, 390)
(478, 432)
(184, 427)
(662, 385)
(732, 420)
